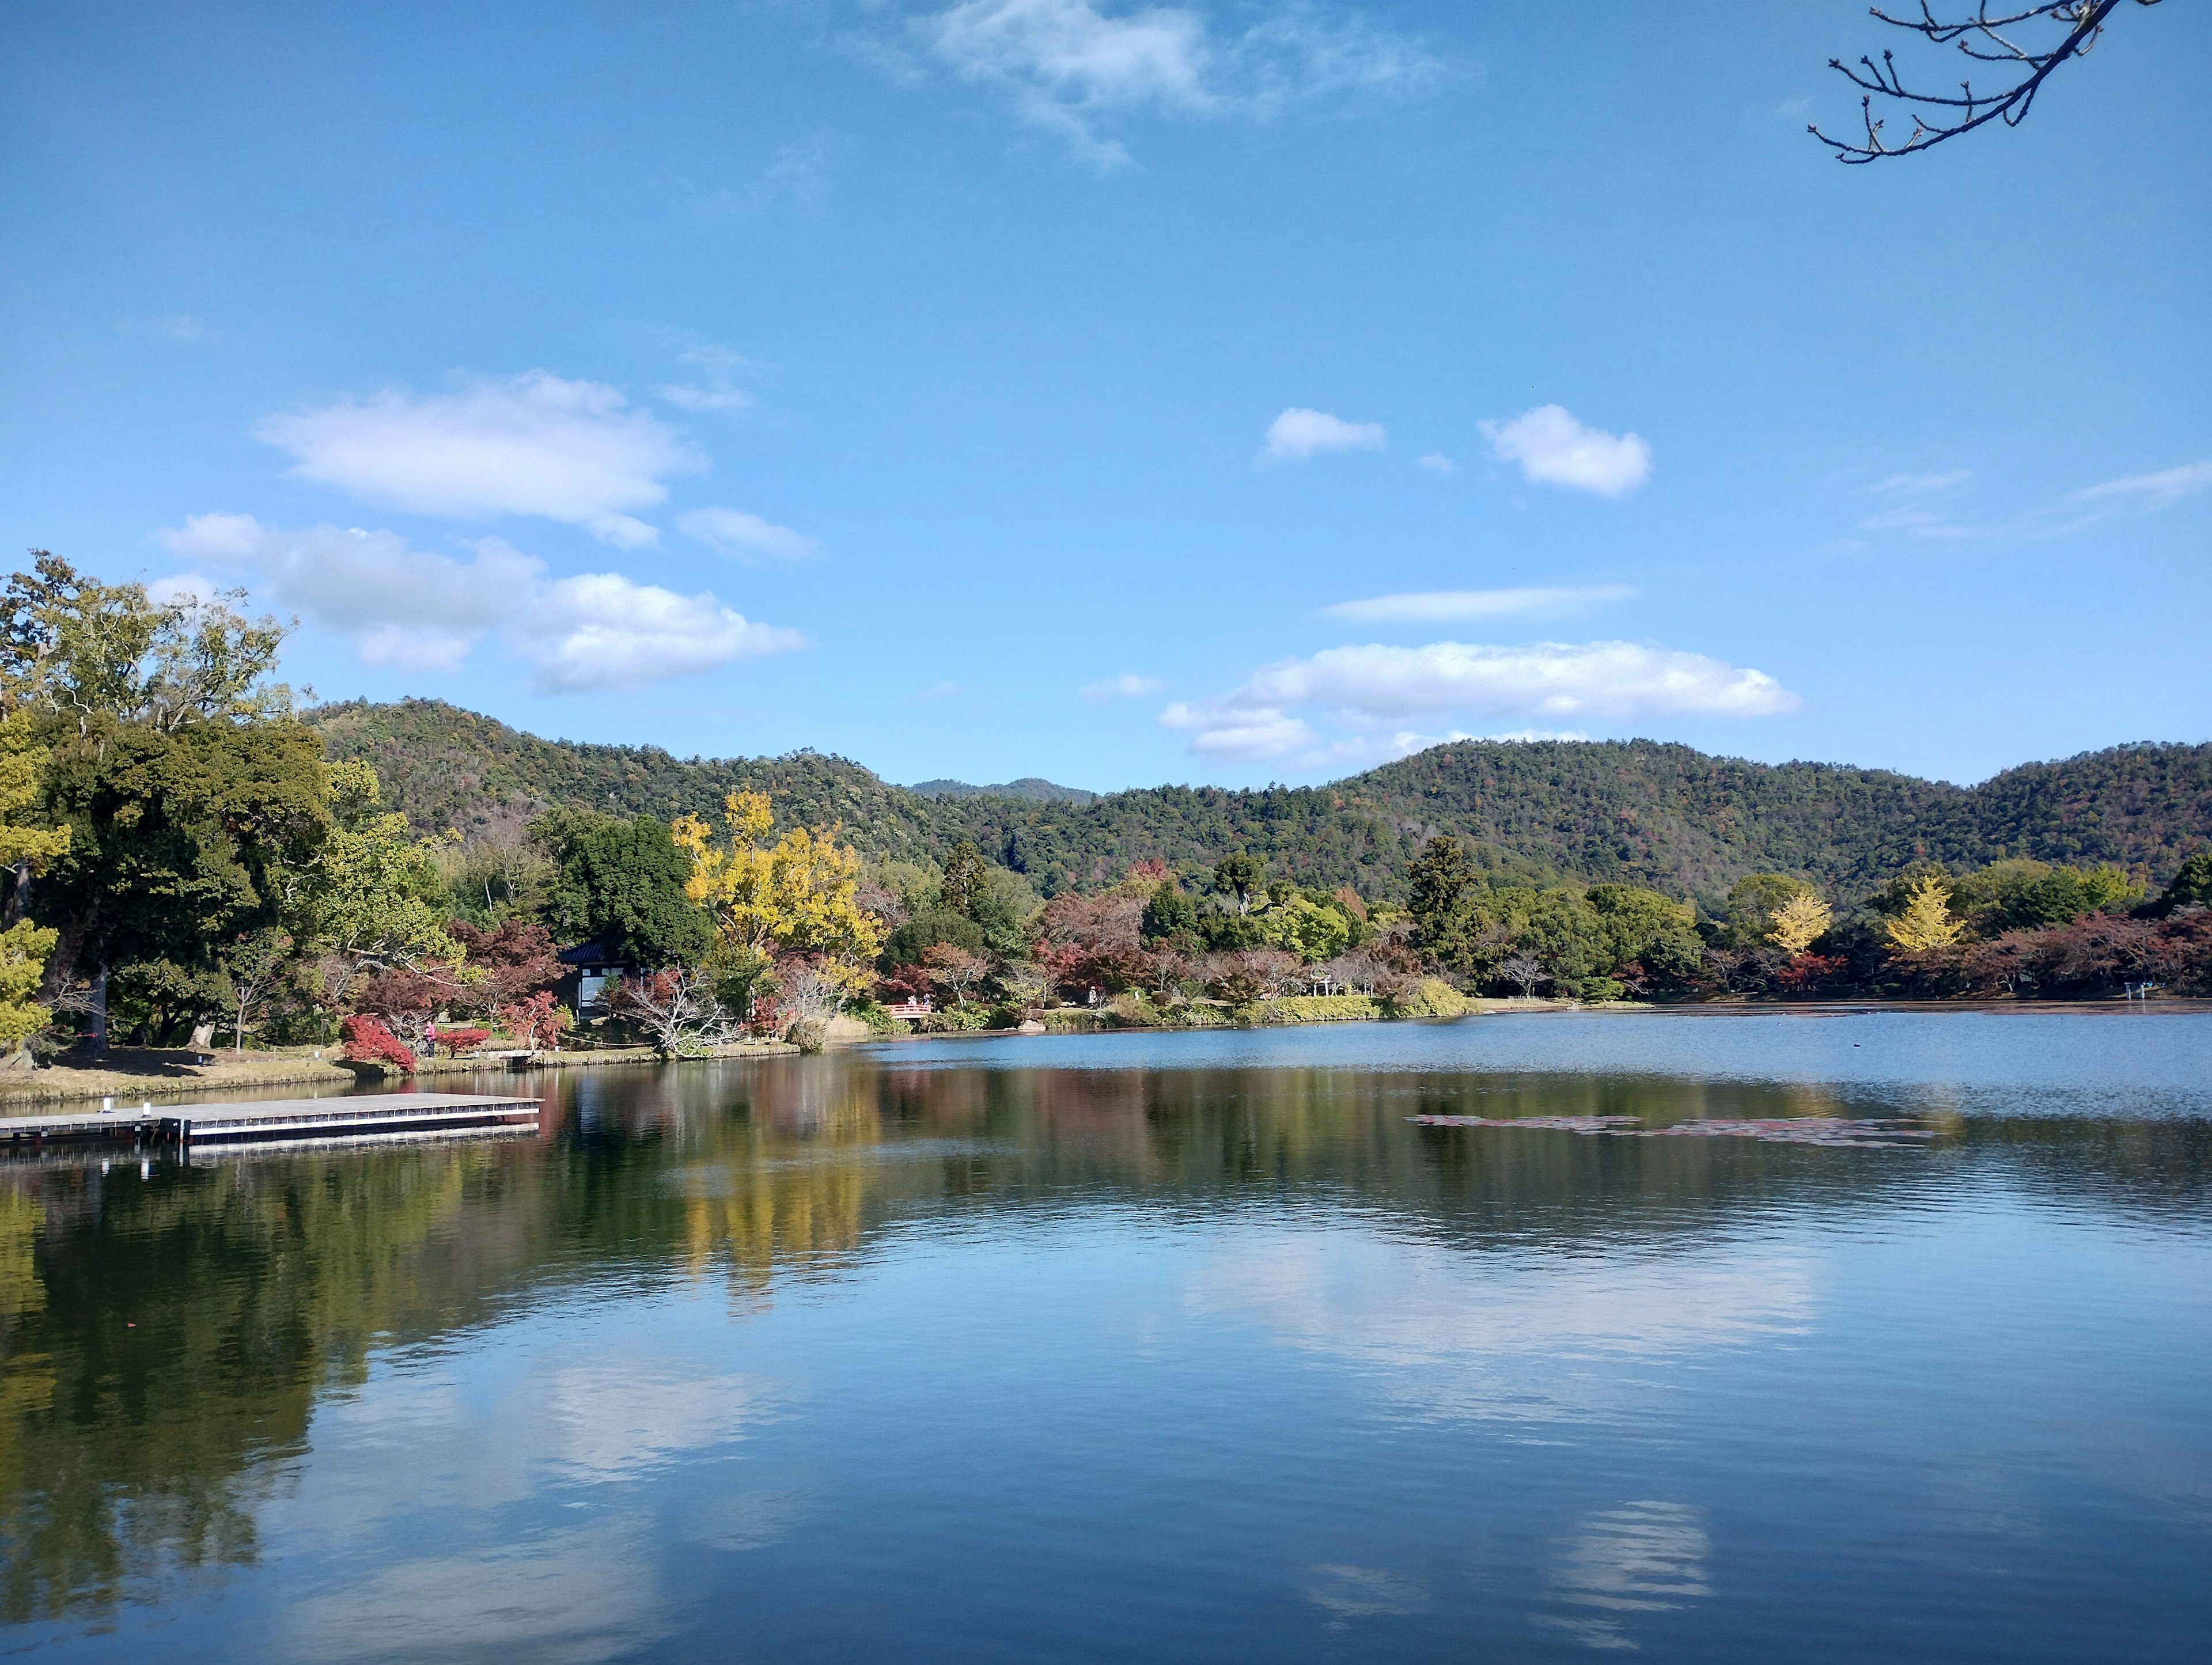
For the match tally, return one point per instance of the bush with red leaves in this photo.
(458, 1041)
(367, 1041)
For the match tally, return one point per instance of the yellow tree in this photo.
(1925, 923)
(795, 895)
(24, 851)
(1799, 922)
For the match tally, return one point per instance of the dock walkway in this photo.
(347, 1115)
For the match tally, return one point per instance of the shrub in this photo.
(1431, 997)
(458, 1041)
(367, 1041)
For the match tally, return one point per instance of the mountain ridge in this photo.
(1635, 811)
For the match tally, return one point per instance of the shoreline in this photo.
(168, 1075)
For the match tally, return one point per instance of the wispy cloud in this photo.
(2149, 492)
(1299, 435)
(2077, 511)
(716, 389)
(532, 444)
(746, 536)
(1553, 448)
(1443, 606)
(1920, 485)
(1436, 462)
(938, 690)
(1128, 686)
(1070, 65)
(1919, 523)
(181, 328)
(1371, 688)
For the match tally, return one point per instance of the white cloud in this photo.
(182, 328)
(401, 606)
(1128, 686)
(603, 630)
(1436, 462)
(733, 532)
(1069, 64)
(2149, 491)
(1248, 733)
(1920, 485)
(1437, 606)
(569, 451)
(1619, 679)
(1368, 689)
(414, 610)
(1555, 449)
(1917, 523)
(1299, 435)
(689, 397)
(938, 690)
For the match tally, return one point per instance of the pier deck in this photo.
(352, 1116)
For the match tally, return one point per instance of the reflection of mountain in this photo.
(167, 1343)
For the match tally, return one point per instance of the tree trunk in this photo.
(99, 1011)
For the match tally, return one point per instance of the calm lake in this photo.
(1185, 1346)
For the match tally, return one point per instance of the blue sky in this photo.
(1205, 392)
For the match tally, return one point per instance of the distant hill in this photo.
(1635, 810)
(1030, 788)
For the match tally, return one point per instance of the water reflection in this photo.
(495, 1387)
(1640, 1558)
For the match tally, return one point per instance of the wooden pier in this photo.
(277, 1120)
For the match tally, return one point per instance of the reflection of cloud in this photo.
(606, 1421)
(1361, 1592)
(752, 1520)
(576, 1596)
(1639, 1558)
(1459, 1335)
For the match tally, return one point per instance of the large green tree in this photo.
(619, 881)
(180, 842)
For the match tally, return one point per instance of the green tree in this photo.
(620, 883)
(1238, 874)
(1644, 928)
(925, 928)
(85, 650)
(372, 898)
(178, 841)
(2192, 885)
(1440, 877)
(1314, 930)
(1753, 902)
(1169, 915)
(964, 884)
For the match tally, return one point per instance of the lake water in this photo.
(1156, 1347)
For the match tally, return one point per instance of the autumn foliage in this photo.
(367, 1041)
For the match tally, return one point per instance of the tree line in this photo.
(185, 859)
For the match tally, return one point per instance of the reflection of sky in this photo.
(2019, 1062)
(429, 1514)
(1639, 1558)
(1518, 1336)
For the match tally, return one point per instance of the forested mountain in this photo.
(1655, 814)
(1031, 787)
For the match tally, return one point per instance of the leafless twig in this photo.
(1936, 116)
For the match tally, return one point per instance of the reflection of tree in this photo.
(259, 1282)
(176, 1333)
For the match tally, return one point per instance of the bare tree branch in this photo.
(1937, 116)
